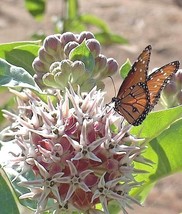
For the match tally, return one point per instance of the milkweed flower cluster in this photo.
(78, 150)
(60, 61)
(172, 94)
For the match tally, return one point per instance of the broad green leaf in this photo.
(7, 47)
(8, 200)
(36, 8)
(125, 68)
(157, 122)
(12, 76)
(108, 38)
(95, 21)
(72, 9)
(165, 152)
(82, 53)
(23, 56)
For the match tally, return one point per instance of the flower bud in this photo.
(111, 68)
(78, 73)
(169, 94)
(61, 79)
(45, 57)
(39, 66)
(49, 80)
(69, 47)
(65, 65)
(52, 45)
(179, 78)
(56, 50)
(85, 35)
(54, 65)
(179, 97)
(78, 67)
(100, 65)
(67, 37)
(170, 89)
(94, 47)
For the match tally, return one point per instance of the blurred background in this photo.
(141, 22)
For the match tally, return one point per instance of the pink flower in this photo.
(77, 149)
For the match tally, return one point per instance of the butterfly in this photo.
(139, 92)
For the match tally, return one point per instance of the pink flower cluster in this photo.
(80, 152)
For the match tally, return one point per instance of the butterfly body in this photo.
(139, 93)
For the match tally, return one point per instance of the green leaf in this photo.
(72, 9)
(82, 53)
(164, 143)
(23, 56)
(20, 53)
(12, 76)
(165, 152)
(107, 38)
(125, 68)
(8, 200)
(157, 122)
(7, 47)
(95, 21)
(36, 8)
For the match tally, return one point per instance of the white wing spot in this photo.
(140, 70)
(165, 74)
(143, 62)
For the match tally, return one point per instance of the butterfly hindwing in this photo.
(135, 103)
(158, 79)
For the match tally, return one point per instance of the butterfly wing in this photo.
(134, 103)
(138, 72)
(158, 79)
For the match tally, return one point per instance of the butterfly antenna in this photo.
(113, 85)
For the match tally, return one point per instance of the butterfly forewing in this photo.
(158, 79)
(134, 104)
(138, 72)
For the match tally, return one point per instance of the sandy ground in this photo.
(142, 22)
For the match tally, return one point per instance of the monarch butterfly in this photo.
(139, 93)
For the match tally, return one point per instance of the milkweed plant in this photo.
(64, 149)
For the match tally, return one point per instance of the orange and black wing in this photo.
(158, 79)
(138, 72)
(134, 104)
